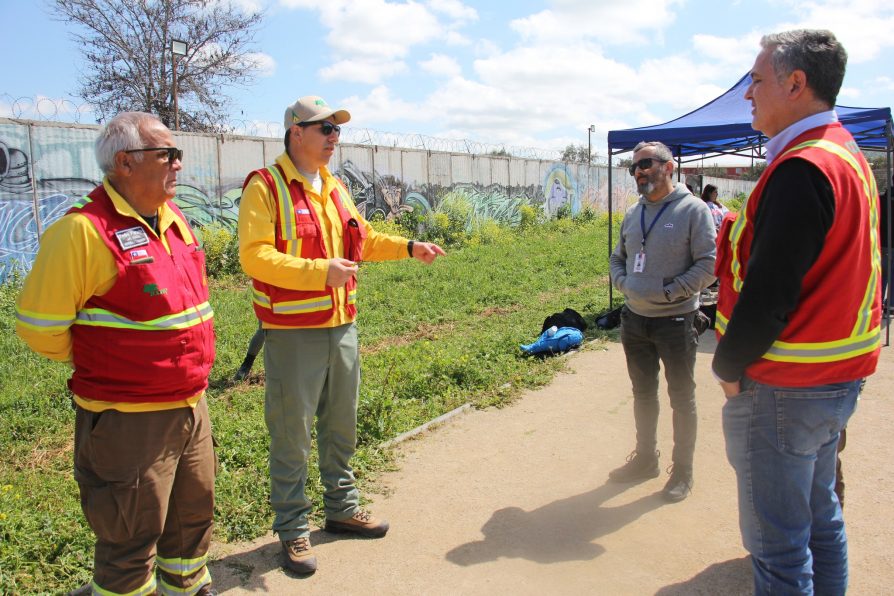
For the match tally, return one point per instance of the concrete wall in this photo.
(45, 166)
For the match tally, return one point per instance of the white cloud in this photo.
(609, 22)
(247, 6)
(485, 48)
(380, 106)
(560, 78)
(884, 83)
(454, 9)
(739, 52)
(371, 39)
(863, 26)
(454, 38)
(263, 63)
(441, 65)
(849, 93)
(369, 71)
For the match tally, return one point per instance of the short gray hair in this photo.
(121, 133)
(815, 51)
(661, 150)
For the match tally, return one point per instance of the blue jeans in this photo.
(782, 443)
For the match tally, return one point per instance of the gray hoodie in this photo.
(680, 251)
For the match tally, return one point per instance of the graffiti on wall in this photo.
(37, 189)
(64, 171)
(560, 189)
(385, 196)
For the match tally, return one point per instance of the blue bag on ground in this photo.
(555, 340)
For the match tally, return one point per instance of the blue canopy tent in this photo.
(723, 127)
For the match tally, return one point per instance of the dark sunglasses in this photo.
(326, 127)
(644, 164)
(172, 153)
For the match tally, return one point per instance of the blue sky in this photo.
(524, 73)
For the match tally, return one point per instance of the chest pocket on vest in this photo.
(305, 230)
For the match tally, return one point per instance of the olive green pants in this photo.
(311, 373)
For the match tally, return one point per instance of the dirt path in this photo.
(515, 500)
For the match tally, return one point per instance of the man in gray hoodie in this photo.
(664, 258)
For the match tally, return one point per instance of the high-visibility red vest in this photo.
(298, 233)
(150, 338)
(834, 333)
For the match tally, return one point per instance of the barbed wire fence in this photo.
(47, 109)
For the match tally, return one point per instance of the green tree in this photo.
(126, 45)
(577, 154)
(755, 171)
(879, 164)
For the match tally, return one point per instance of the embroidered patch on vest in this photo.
(154, 290)
(132, 237)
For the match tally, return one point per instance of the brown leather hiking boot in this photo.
(299, 556)
(361, 523)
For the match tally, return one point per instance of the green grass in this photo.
(432, 338)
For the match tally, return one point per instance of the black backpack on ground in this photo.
(567, 318)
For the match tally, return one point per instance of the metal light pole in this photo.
(178, 48)
(590, 132)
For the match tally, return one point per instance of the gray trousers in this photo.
(311, 373)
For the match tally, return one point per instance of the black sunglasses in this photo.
(644, 164)
(172, 152)
(326, 127)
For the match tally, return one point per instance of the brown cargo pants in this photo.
(147, 489)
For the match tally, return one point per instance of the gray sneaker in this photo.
(299, 555)
(639, 466)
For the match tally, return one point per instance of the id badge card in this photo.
(639, 262)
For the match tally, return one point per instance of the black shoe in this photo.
(638, 467)
(243, 371)
(679, 485)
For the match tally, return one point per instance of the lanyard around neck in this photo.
(642, 221)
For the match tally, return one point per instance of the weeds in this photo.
(432, 338)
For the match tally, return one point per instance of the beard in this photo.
(647, 186)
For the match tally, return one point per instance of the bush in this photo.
(736, 202)
(530, 217)
(587, 214)
(490, 232)
(392, 228)
(221, 250)
(564, 211)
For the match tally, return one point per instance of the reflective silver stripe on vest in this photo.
(825, 351)
(285, 308)
(98, 317)
(42, 323)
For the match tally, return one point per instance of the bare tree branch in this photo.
(126, 46)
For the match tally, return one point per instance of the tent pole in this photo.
(889, 137)
(610, 293)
